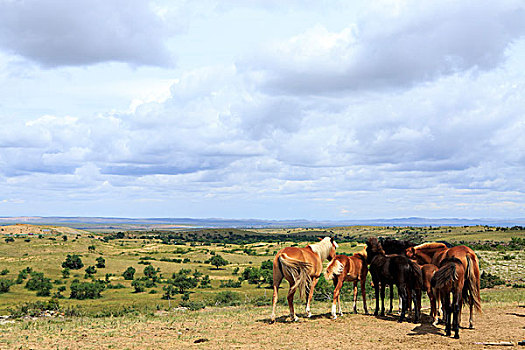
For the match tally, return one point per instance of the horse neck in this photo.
(424, 257)
(321, 249)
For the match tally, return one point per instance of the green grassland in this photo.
(241, 248)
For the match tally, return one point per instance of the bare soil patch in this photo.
(248, 328)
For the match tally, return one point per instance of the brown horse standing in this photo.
(347, 268)
(435, 253)
(301, 267)
(428, 271)
(451, 278)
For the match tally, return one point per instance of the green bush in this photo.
(86, 290)
(230, 284)
(41, 284)
(488, 280)
(73, 262)
(227, 298)
(5, 284)
(101, 262)
(129, 273)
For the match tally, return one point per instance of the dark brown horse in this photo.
(347, 268)
(435, 253)
(451, 278)
(301, 267)
(394, 269)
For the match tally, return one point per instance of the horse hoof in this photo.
(334, 317)
(456, 336)
(309, 314)
(400, 321)
(295, 319)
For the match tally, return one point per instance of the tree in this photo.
(139, 286)
(129, 273)
(41, 284)
(91, 248)
(182, 282)
(73, 262)
(218, 260)
(101, 262)
(150, 272)
(5, 284)
(91, 270)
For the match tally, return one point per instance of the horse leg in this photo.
(447, 309)
(457, 309)
(433, 308)
(337, 291)
(417, 305)
(277, 278)
(355, 296)
(402, 290)
(363, 293)
(310, 295)
(293, 316)
(471, 318)
(376, 291)
(391, 287)
(382, 299)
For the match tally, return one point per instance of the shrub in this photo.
(9, 239)
(4, 272)
(129, 273)
(5, 284)
(86, 290)
(101, 262)
(488, 280)
(91, 270)
(73, 262)
(230, 284)
(65, 273)
(41, 284)
(227, 298)
(139, 286)
(205, 282)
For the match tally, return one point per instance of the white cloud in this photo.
(70, 33)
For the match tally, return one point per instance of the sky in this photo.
(320, 110)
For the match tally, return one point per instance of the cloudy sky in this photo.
(254, 109)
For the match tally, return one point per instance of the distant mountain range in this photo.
(81, 222)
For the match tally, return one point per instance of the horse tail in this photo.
(334, 268)
(446, 274)
(298, 271)
(416, 273)
(473, 280)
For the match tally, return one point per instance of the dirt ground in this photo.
(248, 328)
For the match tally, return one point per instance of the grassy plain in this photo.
(155, 322)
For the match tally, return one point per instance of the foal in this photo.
(394, 269)
(301, 267)
(347, 268)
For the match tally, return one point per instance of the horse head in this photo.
(373, 248)
(332, 253)
(410, 252)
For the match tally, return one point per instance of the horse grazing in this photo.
(450, 278)
(394, 269)
(435, 253)
(301, 267)
(347, 268)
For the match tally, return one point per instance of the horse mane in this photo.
(375, 246)
(323, 247)
(431, 245)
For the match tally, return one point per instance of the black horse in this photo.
(394, 269)
(395, 246)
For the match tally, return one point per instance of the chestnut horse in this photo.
(394, 269)
(451, 278)
(428, 270)
(435, 253)
(347, 268)
(301, 267)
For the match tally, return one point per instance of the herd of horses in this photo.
(449, 275)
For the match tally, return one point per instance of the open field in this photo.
(152, 320)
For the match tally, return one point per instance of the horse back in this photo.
(305, 255)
